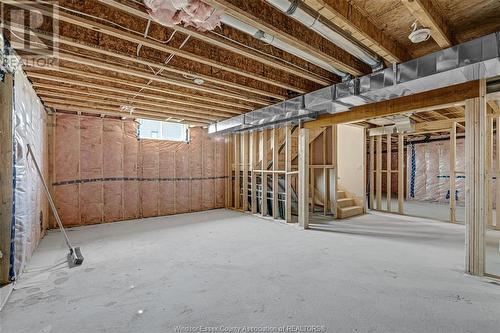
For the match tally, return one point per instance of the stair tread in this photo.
(351, 208)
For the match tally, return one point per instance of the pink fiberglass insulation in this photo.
(208, 182)
(104, 173)
(150, 155)
(131, 203)
(194, 13)
(182, 182)
(67, 149)
(167, 175)
(91, 168)
(196, 168)
(220, 172)
(113, 169)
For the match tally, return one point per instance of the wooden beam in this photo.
(303, 191)
(453, 154)
(232, 47)
(427, 15)
(55, 90)
(102, 110)
(116, 107)
(161, 66)
(438, 125)
(345, 15)
(118, 100)
(425, 101)
(78, 75)
(135, 38)
(156, 78)
(475, 181)
(264, 17)
(6, 167)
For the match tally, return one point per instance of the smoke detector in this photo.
(419, 35)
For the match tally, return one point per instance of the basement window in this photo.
(162, 130)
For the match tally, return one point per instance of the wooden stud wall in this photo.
(6, 171)
(376, 171)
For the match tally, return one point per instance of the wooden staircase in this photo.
(346, 206)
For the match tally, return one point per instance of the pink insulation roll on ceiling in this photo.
(194, 13)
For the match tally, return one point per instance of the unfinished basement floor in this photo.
(223, 268)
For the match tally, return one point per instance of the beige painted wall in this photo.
(351, 159)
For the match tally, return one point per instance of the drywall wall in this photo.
(103, 173)
(351, 159)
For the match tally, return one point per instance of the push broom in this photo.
(75, 254)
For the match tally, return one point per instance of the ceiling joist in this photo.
(264, 17)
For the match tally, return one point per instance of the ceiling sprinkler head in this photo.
(199, 81)
(419, 35)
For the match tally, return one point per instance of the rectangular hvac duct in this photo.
(472, 60)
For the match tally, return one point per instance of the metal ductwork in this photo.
(308, 17)
(472, 60)
(278, 43)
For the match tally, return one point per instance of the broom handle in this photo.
(49, 197)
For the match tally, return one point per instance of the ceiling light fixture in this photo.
(419, 34)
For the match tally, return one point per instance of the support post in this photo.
(275, 175)
(389, 172)
(303, 192)
(6, 172)
(236, 142)
(475, 181)
(288, 168)
(244, 148)
(453, 154)
(229, 172)
(372, 172)
(401, 173)
(378, 173)
(253, 161)
(264, 148)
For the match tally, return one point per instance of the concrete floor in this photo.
(375, 273)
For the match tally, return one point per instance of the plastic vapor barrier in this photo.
(30, 205)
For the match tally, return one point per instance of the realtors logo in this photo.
(31, 29)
